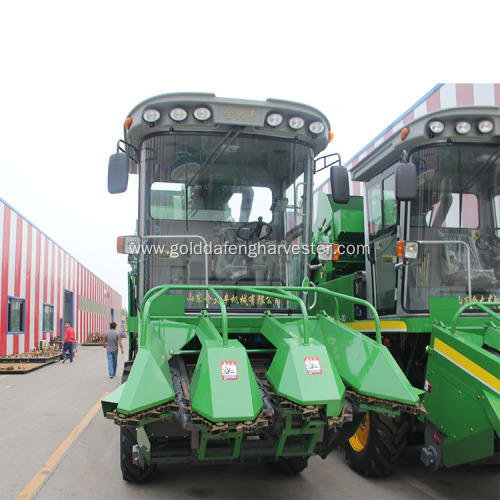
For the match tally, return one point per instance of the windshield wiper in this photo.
(226, 141)
(494, 156)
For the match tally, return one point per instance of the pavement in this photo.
(56, 444)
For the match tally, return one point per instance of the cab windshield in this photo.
(225, 211)
(456, 219)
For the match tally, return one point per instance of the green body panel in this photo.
(224, 397)
(150, 366)
(364, 364)
(463, 376)
(343, 285)
(303, 373)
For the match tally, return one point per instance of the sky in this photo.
(71, 72)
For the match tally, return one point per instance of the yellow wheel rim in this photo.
(360, 438)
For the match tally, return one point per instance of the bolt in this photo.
(442, 427)
(471, 429)
(459, 392)
(171, 352)
(478, 397)
(454, 437)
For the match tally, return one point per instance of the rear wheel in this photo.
(377, 445)
(289, 466)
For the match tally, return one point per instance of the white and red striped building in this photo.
(42, 286)
(442, 96)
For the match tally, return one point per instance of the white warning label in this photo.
(313, 366)
(229, 370)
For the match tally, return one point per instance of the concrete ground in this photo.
(55, 444)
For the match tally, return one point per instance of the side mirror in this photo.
(406, 181)
(339, 184)
(118, 173)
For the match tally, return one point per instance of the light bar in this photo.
(462, 127)
(296, 122)
(178, 114)
(316, 128)
(274, 119)
(202, 114)
(485, 126)
(151, 115)
(436, 127)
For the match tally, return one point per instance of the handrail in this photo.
(282, 293)
(453, 242)
(480, 305)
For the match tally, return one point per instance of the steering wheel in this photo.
(252, 231)
(488, 240)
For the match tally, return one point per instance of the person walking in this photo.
(69, 339)
(111, 343)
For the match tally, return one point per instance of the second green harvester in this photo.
(422, 245)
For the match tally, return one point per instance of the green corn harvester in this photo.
(227, 363)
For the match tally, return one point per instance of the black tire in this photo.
(381, 453)
(130, 472)
(289, 466)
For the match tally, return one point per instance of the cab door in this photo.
(382, 231)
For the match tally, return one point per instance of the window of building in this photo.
(48, 318)
(15, 315)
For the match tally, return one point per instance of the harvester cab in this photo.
(226, 362)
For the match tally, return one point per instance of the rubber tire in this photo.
(289, 466)
(128, 438)
(130, 472)
(382, 453)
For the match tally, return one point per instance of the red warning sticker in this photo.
(229, 370)
(313, 366)
(428, 386)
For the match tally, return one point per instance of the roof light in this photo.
(128, 122)
(178, 114)
(462, 127)
(274, 119)
(317, 128)
(436, 127)
(151, 115)
(404, 133)
(202, 114)
(296, 122)
(485, 126)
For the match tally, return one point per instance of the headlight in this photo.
(202, 114)
(296, 122)
(407, 249)
(317, 128)
(463, 127)
(485, 126)
(436, 127)
(274, 119)
(151, 115)
(178, 114)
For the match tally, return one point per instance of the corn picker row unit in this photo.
(226, 362)
(430, 227)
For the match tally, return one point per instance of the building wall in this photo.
(36, 269)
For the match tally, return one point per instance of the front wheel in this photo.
(376, 447)
(130, 471)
